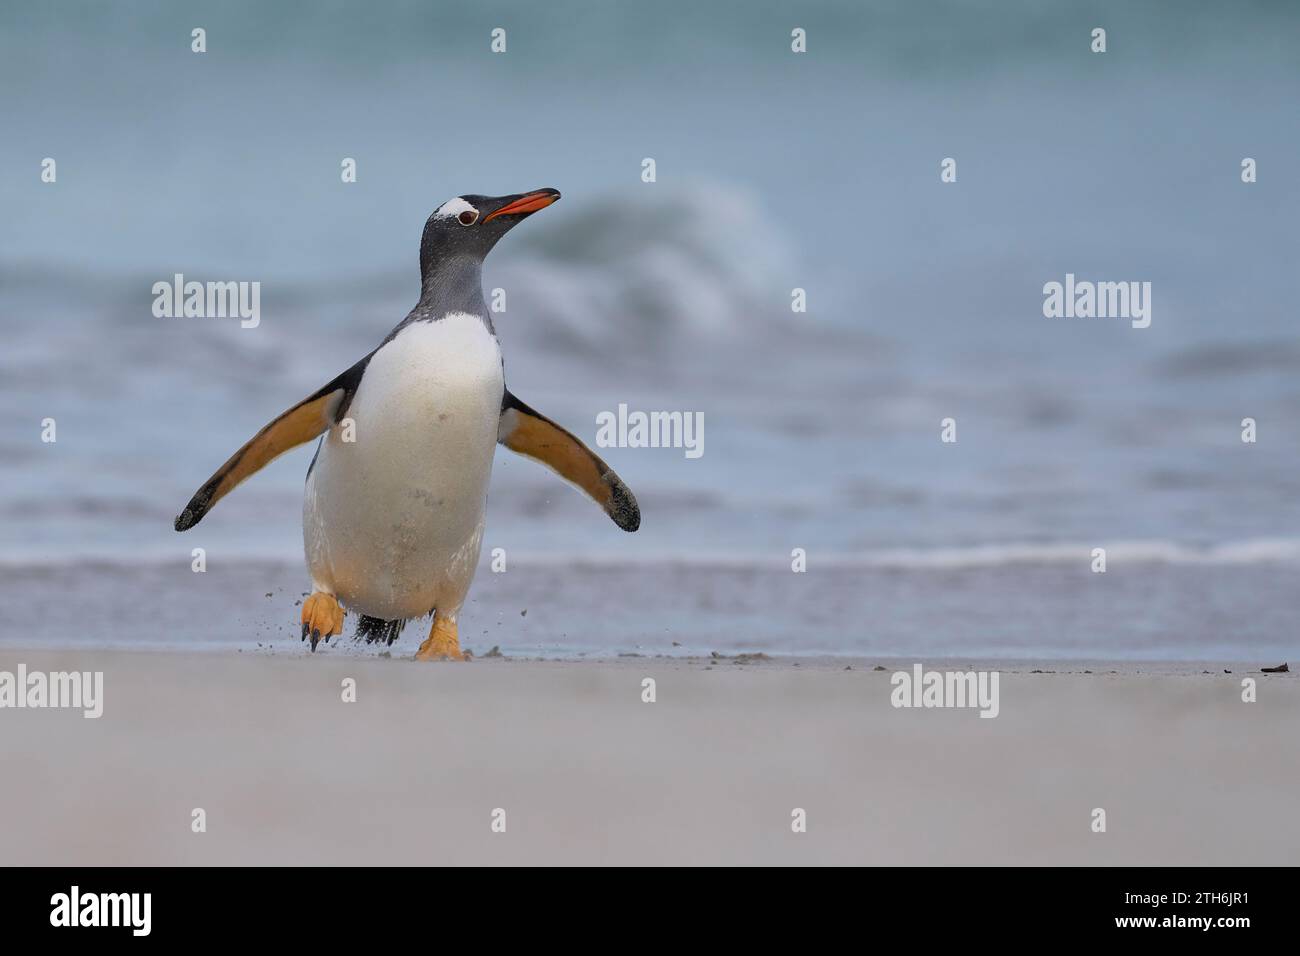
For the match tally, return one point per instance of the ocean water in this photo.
(774, 171)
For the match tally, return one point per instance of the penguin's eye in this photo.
(468, 217)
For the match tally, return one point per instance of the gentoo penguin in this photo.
(395, 496)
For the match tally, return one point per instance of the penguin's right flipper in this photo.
(313, 415)
(530, 433)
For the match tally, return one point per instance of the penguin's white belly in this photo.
(393, 519)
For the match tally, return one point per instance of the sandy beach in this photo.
(586, 772)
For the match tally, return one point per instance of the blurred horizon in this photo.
(775, 171)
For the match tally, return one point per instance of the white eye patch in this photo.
(452, 208)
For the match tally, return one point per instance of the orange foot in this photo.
(442, 644)
(321, 617)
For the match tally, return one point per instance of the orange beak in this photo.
(529, 202)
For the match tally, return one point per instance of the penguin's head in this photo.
(471, 225)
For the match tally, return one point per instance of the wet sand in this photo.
(586, 772)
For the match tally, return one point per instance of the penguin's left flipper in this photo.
(300, 424)
(532, 434)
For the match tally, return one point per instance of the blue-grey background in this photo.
(775, 171)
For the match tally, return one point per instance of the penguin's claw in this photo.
(321, 616)
(442, 644)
